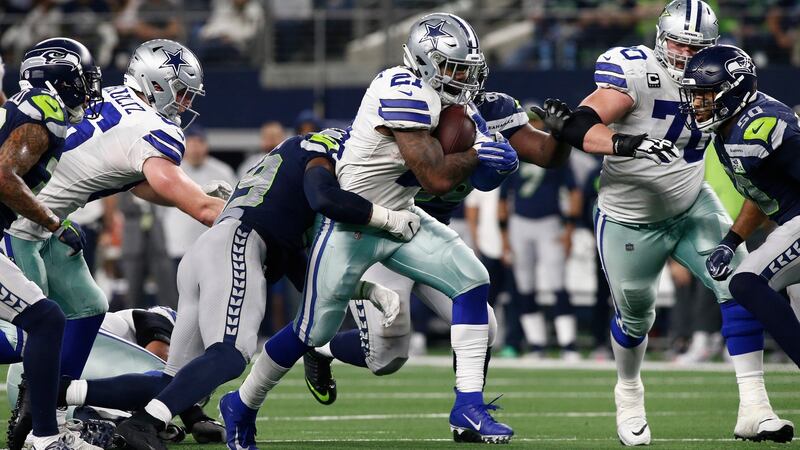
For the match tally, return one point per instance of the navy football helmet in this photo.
(717, 83)
(67, 67)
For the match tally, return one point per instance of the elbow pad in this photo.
(582, 120)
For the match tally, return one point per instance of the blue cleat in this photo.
(471, 422)
(240, 422)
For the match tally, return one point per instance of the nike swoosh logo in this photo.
(476, 425)
(755, 130)
(316, 393)
(765, 420)
(607, 58)
(407, 93)
(639, 433)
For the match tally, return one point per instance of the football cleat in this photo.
(172, 434)
(759, 423)
(632, 427)
(68, 440)
(319, 378)
(96, 432)
(473, 423)
(20, 423)
(137, 433)
(240, 422)
(208, 431)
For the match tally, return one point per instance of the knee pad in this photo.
(390, 367)
(471, 271)
(742, 332)
(387, 355)
(230, 360)
(739, 286)
(492, 326)
(623, 336)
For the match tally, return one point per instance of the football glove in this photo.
(386, 300)
(718, 262)
(71, 234)
(218, 188)
(640, 146)
(554, 113)
(402, 224)
(499, 156)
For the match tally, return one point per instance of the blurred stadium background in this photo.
(274, 68)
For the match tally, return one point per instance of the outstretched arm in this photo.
(610, 106)
(168, 185)
(540, 148)
(436, 172)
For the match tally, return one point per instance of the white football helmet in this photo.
(690, 22)
(168, 75)
(440, 46)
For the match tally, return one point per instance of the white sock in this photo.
(264, 375)
(159, 410)
(566, 329)
(469, 345)
(534, 328)
(628, 360)
(749, 369)
(61, 417)
(76, 392)
(325, 350)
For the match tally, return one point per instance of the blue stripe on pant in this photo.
(306, 319)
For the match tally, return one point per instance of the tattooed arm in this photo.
(436, 172)
(18, 154)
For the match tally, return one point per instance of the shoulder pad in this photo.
(502, 113)
(619, 66)
(404, 101)
(169, 141)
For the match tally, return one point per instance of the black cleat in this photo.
(319, 379)
(96, 432)
(138, 433)
(208, 431)
(20, 423)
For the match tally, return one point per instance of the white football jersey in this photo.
(638, 190)
(371, 164)
(105, 155)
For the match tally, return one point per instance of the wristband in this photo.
(731, 240)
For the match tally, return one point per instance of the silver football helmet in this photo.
(444, 51)
(690, 22)
(168, 75)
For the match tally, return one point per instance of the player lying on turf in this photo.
(384, 350)
(756, 138)
(58, 79)
(117, 350)
(648, 212)
(222, 282)
(135, 142)
(389, 156)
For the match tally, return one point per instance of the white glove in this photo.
(386, 300)
(402, 224)
(219, 189)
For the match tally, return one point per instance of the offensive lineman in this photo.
(135, 142)
(58, 79)
(647, 212)
(390, 135)
(757, 139)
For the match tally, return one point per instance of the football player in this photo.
(391, 154)
(755, 137)
(384, 350)
(222, 281)
(134, 142)
(648, 212)
(58, 79)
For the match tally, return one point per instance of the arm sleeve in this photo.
(327, 198)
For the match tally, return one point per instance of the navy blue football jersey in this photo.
(536, 191)
(499, 113)
(762, 157)
(37, 106)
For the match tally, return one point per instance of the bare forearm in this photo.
(750, 219)
(598, 140)
(15, 194)
(436, 172)
(540, 148)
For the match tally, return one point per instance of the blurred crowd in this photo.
(563, 34)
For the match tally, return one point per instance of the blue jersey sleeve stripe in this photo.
(404, 103)
(161, 147)
(169, 140)
(610, 79)
(609, 67)
(405, 116)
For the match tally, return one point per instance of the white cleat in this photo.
(68, 440)
(760, 423)
(632, 427)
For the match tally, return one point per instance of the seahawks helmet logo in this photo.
(740, 65)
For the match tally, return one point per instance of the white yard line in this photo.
(512, 395)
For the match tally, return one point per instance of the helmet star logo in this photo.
(174, 60)
(433, 33)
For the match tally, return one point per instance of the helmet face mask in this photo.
(687, 22)
(444, 51)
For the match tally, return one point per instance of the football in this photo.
(456, 131)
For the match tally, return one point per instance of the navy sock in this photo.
(470, 307)
(44, 323)
(771, 309)
(139, 388)
(79, 335)
(220, 363)
(285, 348)
(10, 354)
(346, 347)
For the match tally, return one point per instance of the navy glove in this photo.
(71, 234)
(718, 262)
(499, 156)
